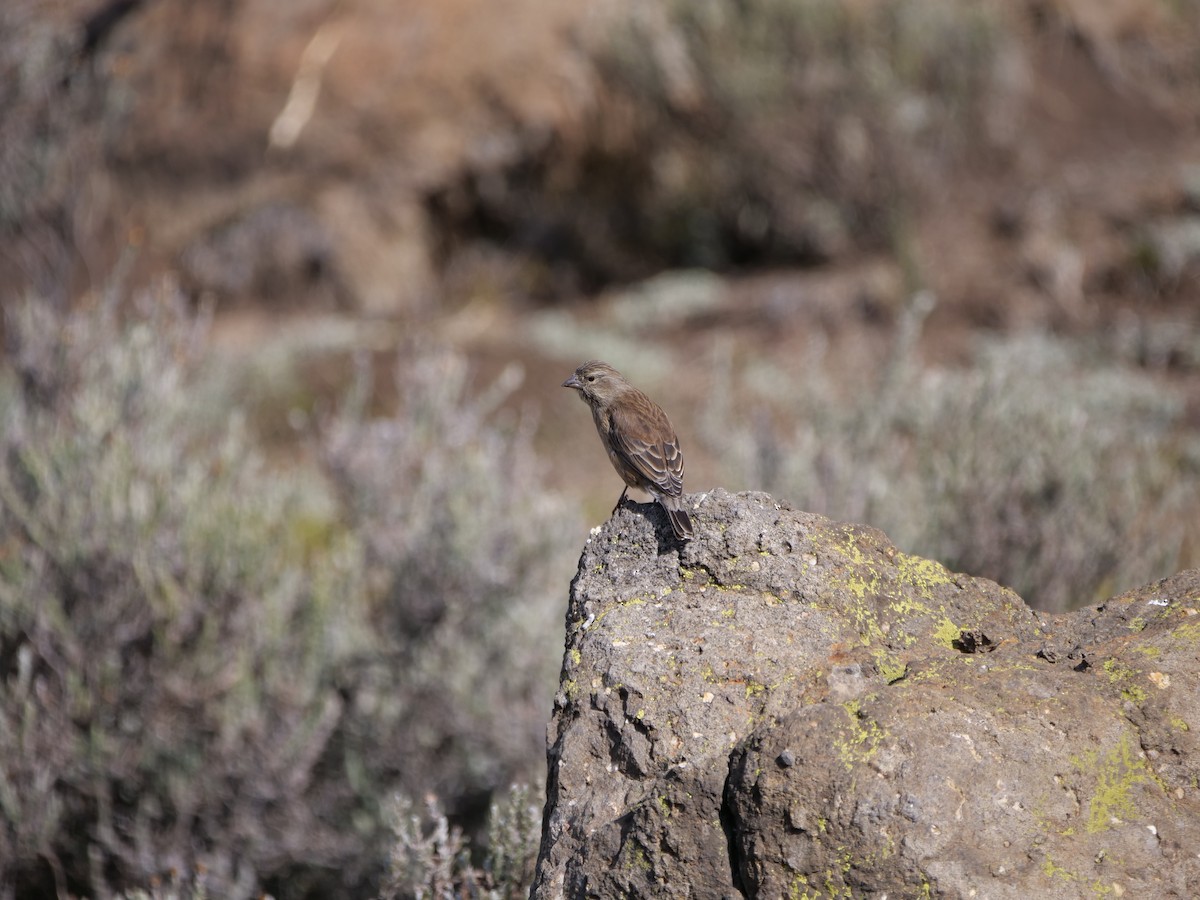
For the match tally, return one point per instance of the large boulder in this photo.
(788, 706)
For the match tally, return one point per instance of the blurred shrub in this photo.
(210, 680)
(168, 659)
(467, 558)
(1065, 479)
(733, 133)
(790, 129)
(49, 141)
(431, 858)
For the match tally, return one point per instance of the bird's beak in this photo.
(573, 382)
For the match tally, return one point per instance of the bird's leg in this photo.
(619, 501)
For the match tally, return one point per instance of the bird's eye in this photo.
(591, 378)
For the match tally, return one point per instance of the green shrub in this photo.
(1066, 479)
(168, 658)
(210, 675)
(467, 557)
(431, 858)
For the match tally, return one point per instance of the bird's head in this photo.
(597, 382)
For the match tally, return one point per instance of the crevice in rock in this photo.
(973, 641)
(729, 826)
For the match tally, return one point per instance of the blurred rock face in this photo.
(790, 705)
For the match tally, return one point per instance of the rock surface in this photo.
(791, 707)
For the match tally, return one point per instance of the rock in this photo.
(789, 706)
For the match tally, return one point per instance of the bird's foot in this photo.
(620, 500)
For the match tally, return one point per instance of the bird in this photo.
(638, 437)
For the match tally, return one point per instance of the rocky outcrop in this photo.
(787, 706)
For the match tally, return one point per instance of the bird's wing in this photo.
(642, 434)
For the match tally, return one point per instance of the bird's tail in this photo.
(681, 522)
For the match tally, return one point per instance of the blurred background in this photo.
(290, 496)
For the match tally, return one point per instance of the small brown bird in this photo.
(640, 441)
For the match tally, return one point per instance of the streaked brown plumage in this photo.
(638, 437)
